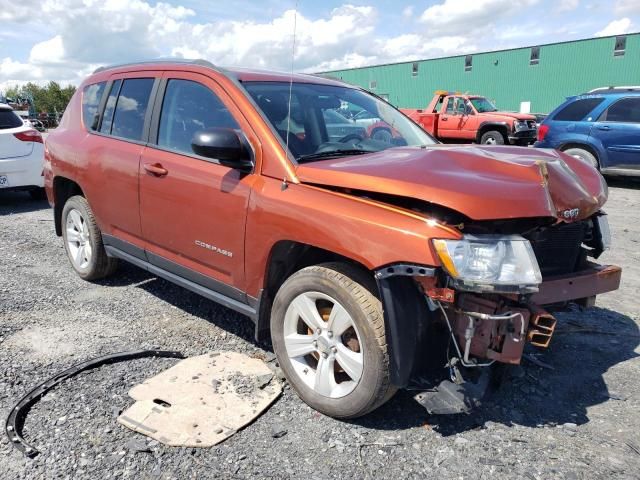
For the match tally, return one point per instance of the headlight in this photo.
(490, 263)
(520, 125)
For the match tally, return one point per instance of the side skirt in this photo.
(217, 297)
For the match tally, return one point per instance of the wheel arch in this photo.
(63, 189)
(497, 126)
(285, 258)
(584, 146)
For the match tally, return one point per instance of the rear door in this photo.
(618, 129)
(193, 216)
(112, 152)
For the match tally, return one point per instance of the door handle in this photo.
(155, 169)
(606, 128)
(445, 119)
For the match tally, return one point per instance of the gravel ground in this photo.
(576, 419)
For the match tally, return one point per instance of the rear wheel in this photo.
(83, 241)
(327, 330)
(492, 137)
(584, 155)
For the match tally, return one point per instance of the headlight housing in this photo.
(520, 125)
(490, 263)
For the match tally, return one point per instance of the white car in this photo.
(21, 154)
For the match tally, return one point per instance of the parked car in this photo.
(370, 265)
(339, 127)
(601, 127)
(21, 154)
(453, 117)
(37, 124)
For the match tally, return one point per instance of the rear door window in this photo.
(188, 107)
(578, 110)
(626, 110)
(8, 119)
(107, 116)
(131, 108)
(91, 96)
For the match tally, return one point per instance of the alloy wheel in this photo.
(323, 344)
(78, 239)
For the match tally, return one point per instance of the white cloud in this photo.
(76, 36)
(617, 27)
(626, 7)
(568, 5)
(459, 17)
(49, 51)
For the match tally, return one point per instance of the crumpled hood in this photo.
(517, 116)
(481, 182)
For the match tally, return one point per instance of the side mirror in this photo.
(224, 145)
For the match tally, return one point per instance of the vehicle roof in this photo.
(237, 73)
(615, 90)
(5, 106)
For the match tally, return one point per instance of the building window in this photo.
(535, 56)
(372, 85)
(414, 70)
(621, 45)
(468, 63)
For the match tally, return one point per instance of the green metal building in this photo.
(543, 75)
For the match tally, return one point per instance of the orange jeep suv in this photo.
(370, 264)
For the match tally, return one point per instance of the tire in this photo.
(360, 351)
(585, 155)
(83, 241)
(38, 194)
(382, 135)
(492, 137)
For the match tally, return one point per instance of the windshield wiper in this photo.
(332, 153)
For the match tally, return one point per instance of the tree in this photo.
(51, 98)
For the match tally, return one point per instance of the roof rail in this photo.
(615, 89)
(201, 62)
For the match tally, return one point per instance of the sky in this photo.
(65, 40)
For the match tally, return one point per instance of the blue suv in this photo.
(601, 127)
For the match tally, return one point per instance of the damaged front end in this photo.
(489, 299)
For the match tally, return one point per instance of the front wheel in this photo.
(327, 330)
(492, 137)
(83, 241)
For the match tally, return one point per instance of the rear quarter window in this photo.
(578, 109)
(8, 119)
(91, 96)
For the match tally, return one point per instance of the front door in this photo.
(193, 209)
(618, 128)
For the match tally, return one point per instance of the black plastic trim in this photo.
(127, 247)
(406, 318)
(18, 414)
(195, 277)
(215, 296)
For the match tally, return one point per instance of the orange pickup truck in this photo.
(456, 118)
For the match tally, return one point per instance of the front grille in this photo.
(558, 248)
